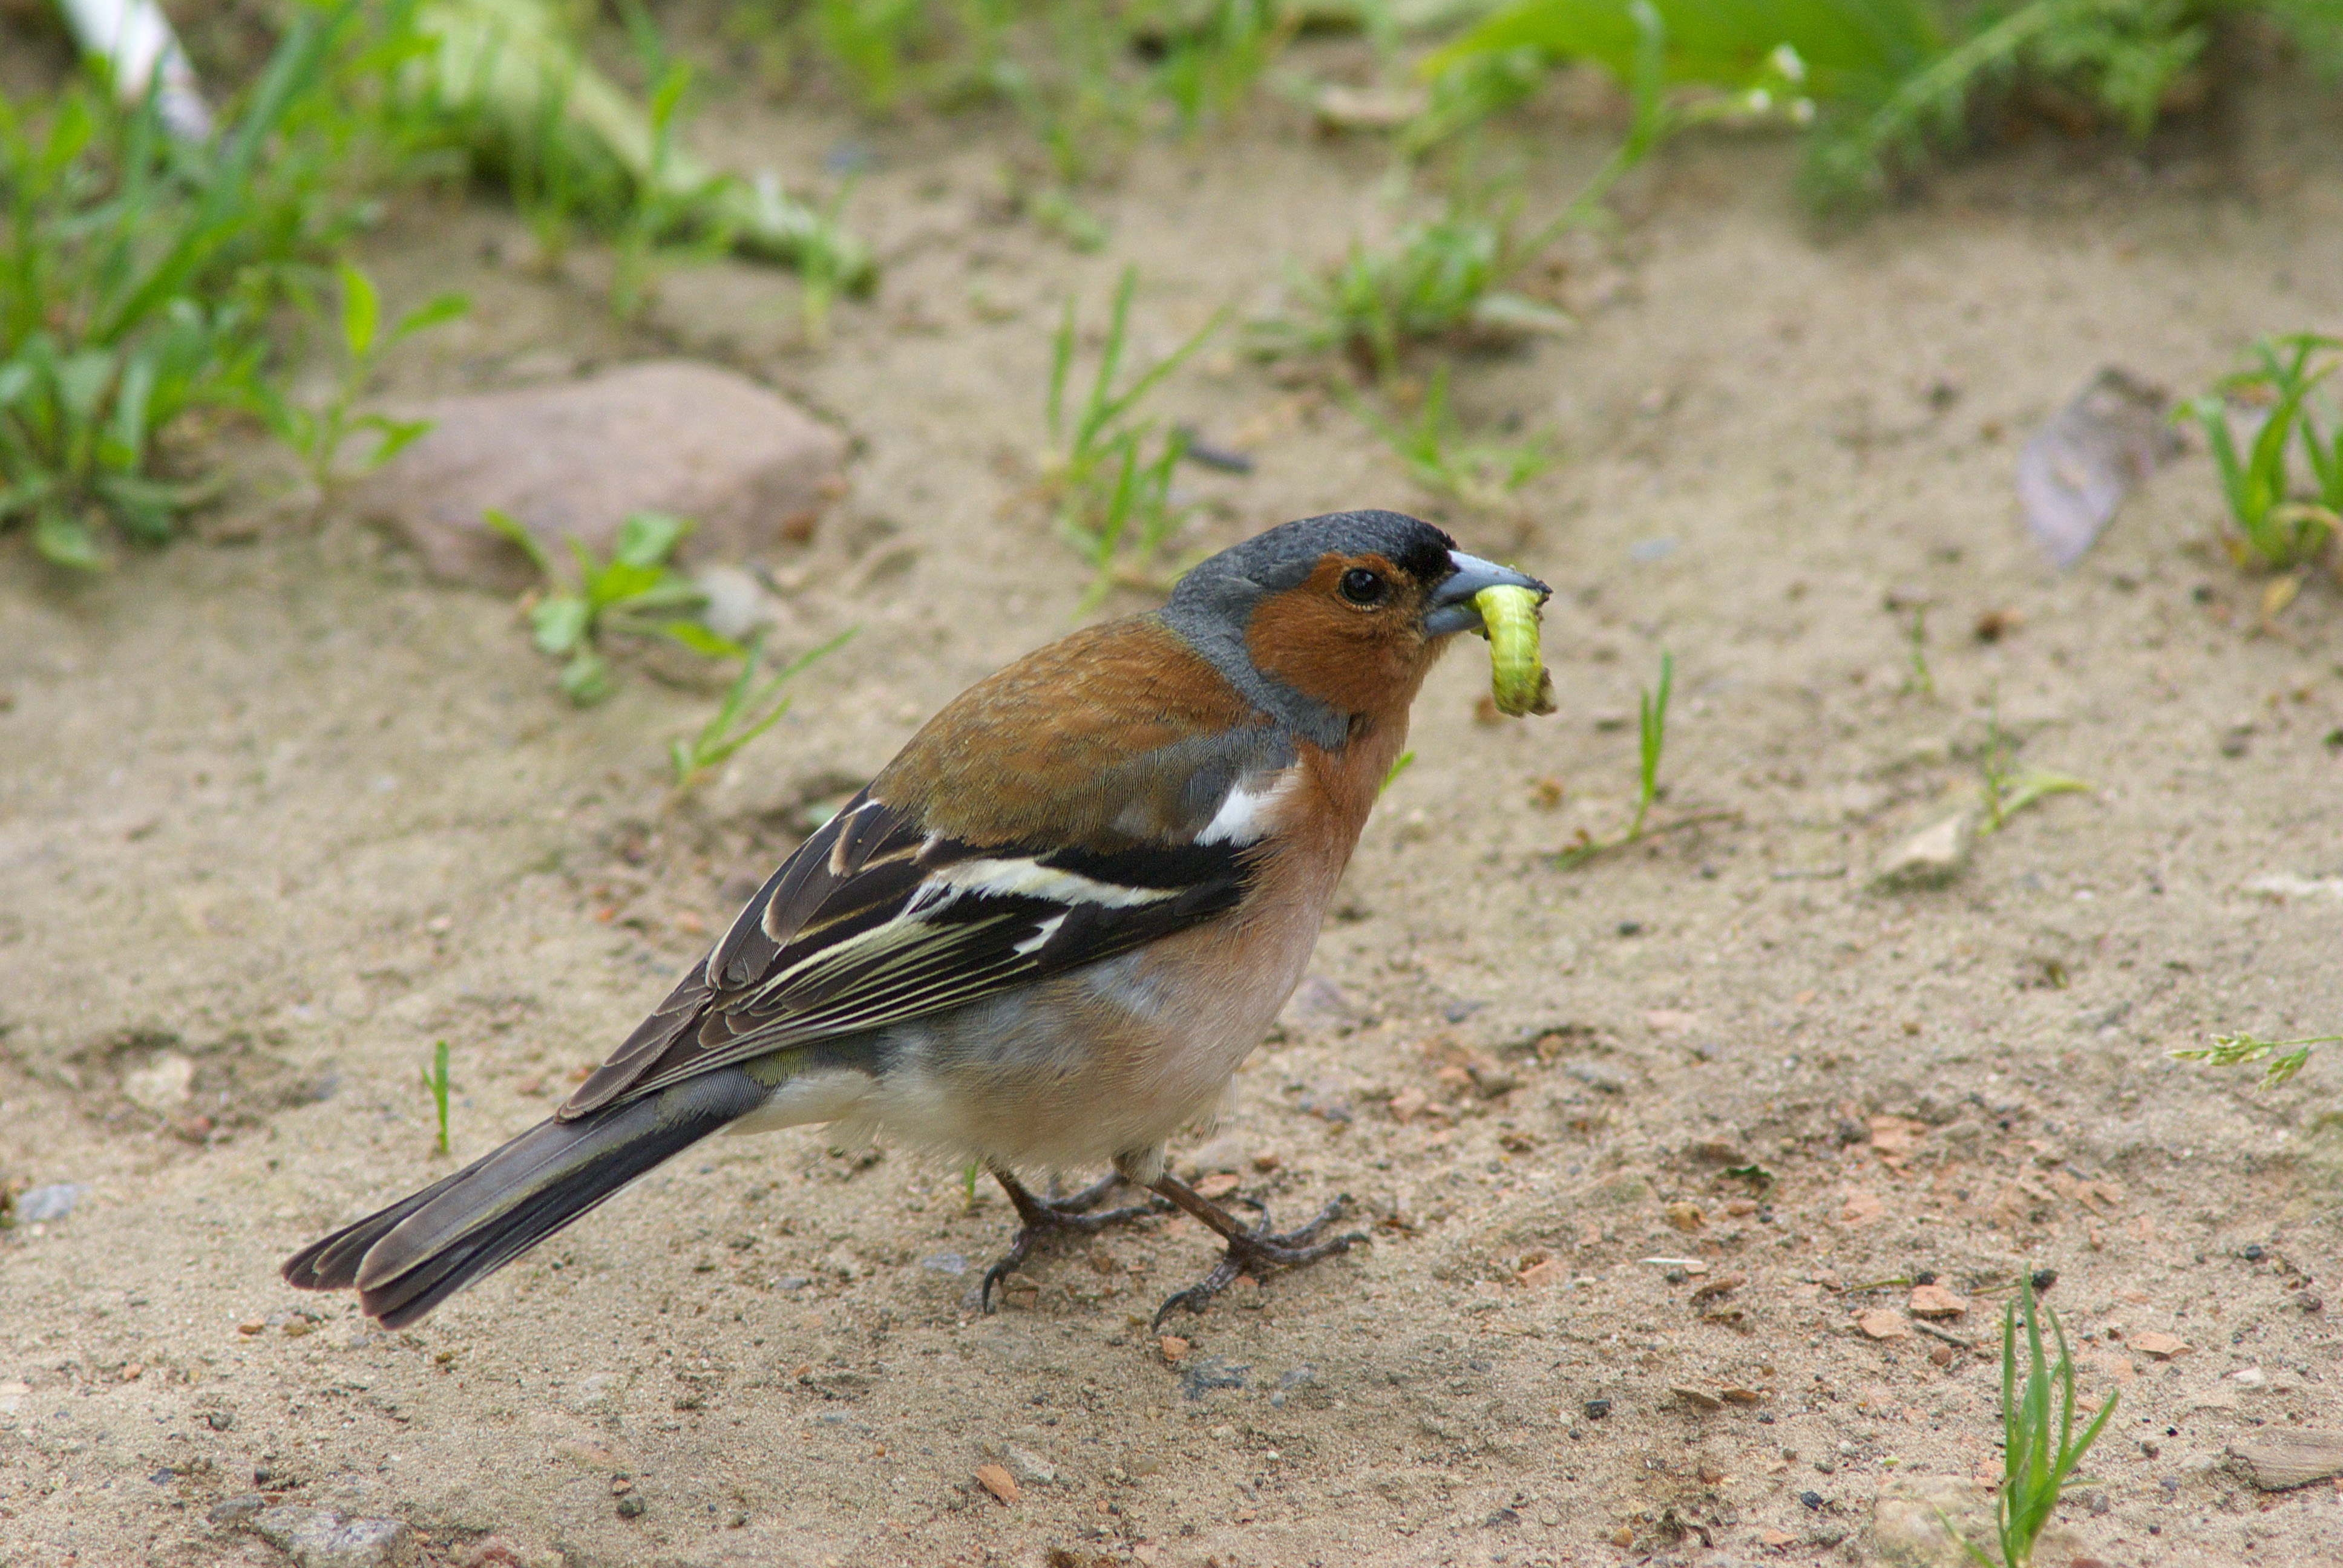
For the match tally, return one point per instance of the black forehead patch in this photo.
(1284, 557)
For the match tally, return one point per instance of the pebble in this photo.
(163, 1085)
(1930, 857)
(1174, 1347)
(43, 1205)
(998, 1481)
(945, 1263)
(1908, 1521)
(1597, 1409)
(316, 1539)
(1685, 1216)
(1698, 1398)
(2162, 1346)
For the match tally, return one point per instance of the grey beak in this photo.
(1452, 609)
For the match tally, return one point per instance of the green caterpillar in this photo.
(1518, 678)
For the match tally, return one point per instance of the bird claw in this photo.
(1256, 1252)
(1039, 1218)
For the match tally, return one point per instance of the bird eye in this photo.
(1361, 586)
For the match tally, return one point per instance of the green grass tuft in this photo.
(747, 711)
(1111, 487)
(2039, 1449)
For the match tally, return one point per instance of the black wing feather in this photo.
(852, 933)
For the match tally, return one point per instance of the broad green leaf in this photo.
(648, 539)
(432, 313)
(1844, 46)
(361, 311)
(586, 680)
(559, 623)
(66, 540)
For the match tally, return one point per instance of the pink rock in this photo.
(575, 458)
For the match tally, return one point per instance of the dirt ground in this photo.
(275, 815)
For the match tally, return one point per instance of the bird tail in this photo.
(408, 1258)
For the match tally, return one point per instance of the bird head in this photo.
(1334, 618)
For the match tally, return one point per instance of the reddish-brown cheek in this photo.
(1355, 661)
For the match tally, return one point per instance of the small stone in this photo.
(1685, 1216)
(1029, 1467)
(1907, 1520)
(316, 1539)
(1930, 857)
(752, 470)
(998, 1481)
(1218, 1186)
(1884, 1323)
(1623, 1536)
(251, 1326)
(2162, 1346)
(1935, 1302)
(1174, 1347)
(1941, 1355)
(235, 1510)
(2248, 1377)
(631, 1506)
(44, 1205)
(1745, 1396)
(1698, 1398)
(163, 1085)
(1597, 1409)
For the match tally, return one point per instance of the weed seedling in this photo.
(1112, 500)
(317, 434)
(2007, 788)
(1921, 682)
(636, 592)
(2276, 527)
(1441, 279)
(1400, 764)
(2228, 1049)
(747, 711)
(2039, 1449)
(1480, 474)
(434, 1084)
(1651, 738)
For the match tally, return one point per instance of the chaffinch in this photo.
(1043, 938)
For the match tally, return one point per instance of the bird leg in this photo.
(1040, 1217)
(1255, 1250)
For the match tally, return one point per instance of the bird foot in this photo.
(1254, 1251)
(1040, 1218)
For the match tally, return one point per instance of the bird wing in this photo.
(878, 918)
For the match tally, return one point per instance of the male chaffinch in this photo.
(1044, 937)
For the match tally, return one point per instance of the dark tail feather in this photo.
(423, 1249)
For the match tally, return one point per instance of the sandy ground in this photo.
(274, 816)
